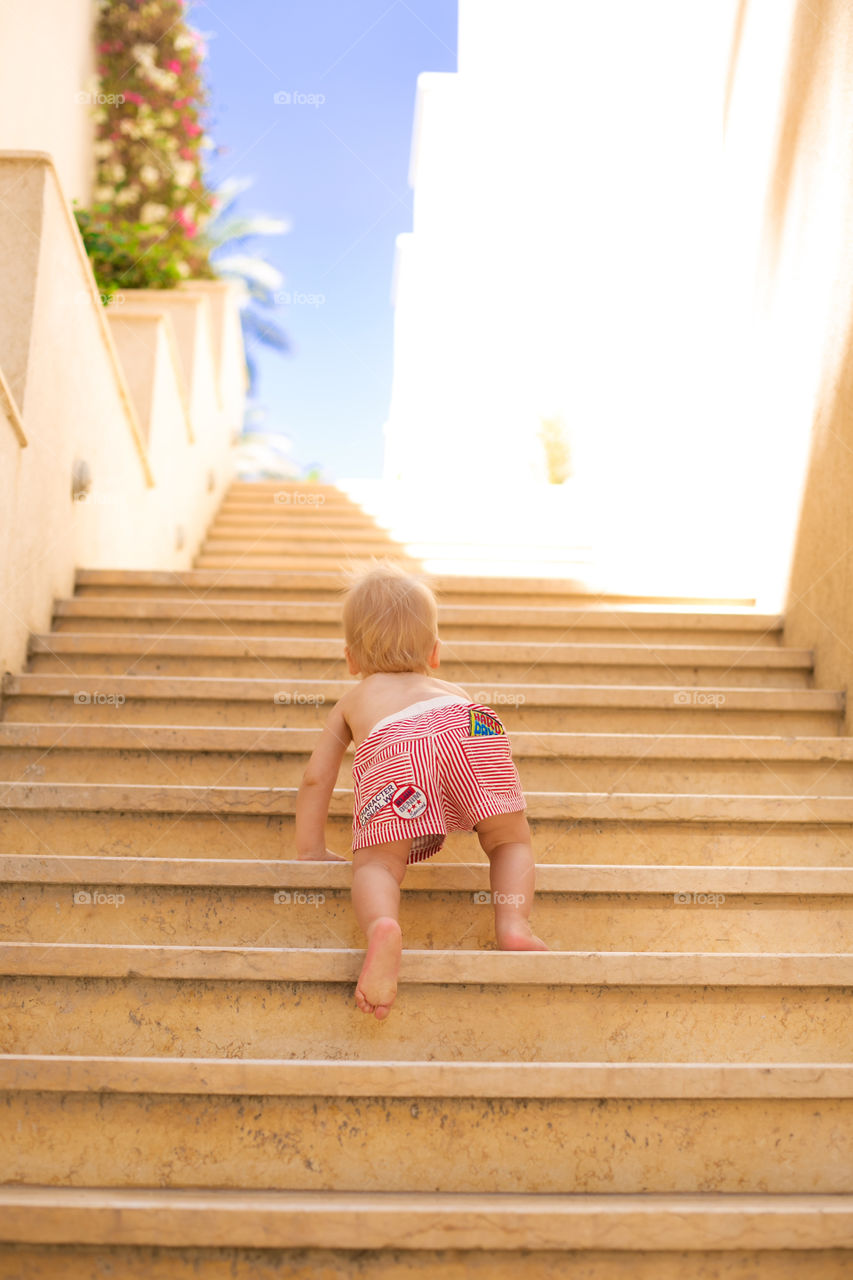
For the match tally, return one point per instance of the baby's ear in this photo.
(352, 665)
(434, 658)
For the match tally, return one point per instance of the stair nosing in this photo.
(99, 1073)
(432, 967)
(627, 696)
(611, 879)
(185, 1217)
(549, 745)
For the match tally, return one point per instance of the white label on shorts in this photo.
(408, 802)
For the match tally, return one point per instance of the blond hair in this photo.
(390, 620)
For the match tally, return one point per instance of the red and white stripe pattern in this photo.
(441, 769)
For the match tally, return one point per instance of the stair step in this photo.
(297, 560)
(308, 585)
(214, 755)
(290, 516)
(652, 624)
(249, 1015)
(311, 542)
(587, 841)
(426, 1221)
(657, 1059)
(229, 536)
(565, 806)
(332, 964)
(639, 909)
(89, 1073)
(295, 703)
(496, 661)
(253, 549)
(258, 488)
(293, 1141)
(694, 919)
(433, 877)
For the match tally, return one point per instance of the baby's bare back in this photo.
(385, 692)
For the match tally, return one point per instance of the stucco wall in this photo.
(808, 277)
(153, 491)
(47, 64)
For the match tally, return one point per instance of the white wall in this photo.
(47, 61)
(584, 244)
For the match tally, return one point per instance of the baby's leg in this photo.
(512, 872)
(377, 873)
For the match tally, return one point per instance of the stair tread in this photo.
(639, 615)
(333, 964)
(67, 735)
(424, 1220)
(604, 806)
(380, 1078)
(282, 542)
(463, 877)
(562, 695)
(725, 656)
(333, 579)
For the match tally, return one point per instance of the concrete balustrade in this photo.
(141, 401)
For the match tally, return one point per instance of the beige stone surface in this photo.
(247, 1017)
(489, 662)
(132, 834)
(430, 877)
(699, 987)
(49, 1262)
(461, 621)
(306, 1219)
(688, 920)
(565, 806)
(428, 966)
(70, 1073)
(536, 1146)
(452, 588)
(244, 756)
(582, 708)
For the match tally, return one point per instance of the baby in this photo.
(427, 761)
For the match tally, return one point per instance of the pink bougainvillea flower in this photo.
(173, 65)
(187, 223)
(191, 129)
(130, 96)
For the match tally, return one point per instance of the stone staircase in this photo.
(188, 1087)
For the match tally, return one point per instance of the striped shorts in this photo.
(422, 773)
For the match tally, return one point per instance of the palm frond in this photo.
(260, 278)
(260, 328)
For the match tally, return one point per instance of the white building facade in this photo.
(584, 247)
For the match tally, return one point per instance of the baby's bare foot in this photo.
(321, 855)
(518, 936)
(377, 982)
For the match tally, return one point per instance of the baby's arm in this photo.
(315, 791)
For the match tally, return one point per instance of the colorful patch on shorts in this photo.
(376, 803)
(483, 724)
(408, 802)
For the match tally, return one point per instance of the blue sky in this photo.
(338, 171)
